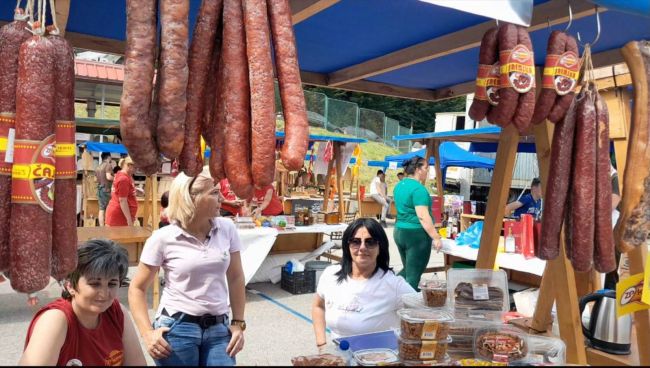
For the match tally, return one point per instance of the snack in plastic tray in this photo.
(424, 324)
(546, 350)
(434, 292)
(320, 360)
(473, 289)
(372, 357)
(477, 363)
(427, 363)
(429, 350)
(500, 344)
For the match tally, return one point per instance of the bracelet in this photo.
(323, 344)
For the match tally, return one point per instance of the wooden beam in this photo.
(498, 195)
(303, 9)
(440, 184)
(328, 177)
(94, 43)
(62, 12)
(553, 12)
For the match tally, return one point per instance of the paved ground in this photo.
(279, 325)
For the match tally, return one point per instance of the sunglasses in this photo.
(370, 242)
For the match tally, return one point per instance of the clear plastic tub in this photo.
(466, 324)
(500, 344)
(427, 350)
(434, 292)
(477, 290)
(374, 357)
(546, 350)
(446, 361)
(424, 324)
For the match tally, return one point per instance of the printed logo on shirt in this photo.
(74, 363)
(115, 358)
(353, 305)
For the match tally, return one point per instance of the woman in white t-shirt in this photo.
(362, 294)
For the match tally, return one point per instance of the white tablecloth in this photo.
(511, 261)
(256, 244)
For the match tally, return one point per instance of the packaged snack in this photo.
(373, 357)
(424, 324)
(428, 350)
(320, 360)
(477, 290)
(446, 360)
(500, 344)
(434, 292)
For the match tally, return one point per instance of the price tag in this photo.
(392, 165)
(480, 292)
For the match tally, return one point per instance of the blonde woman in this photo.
(200, 254)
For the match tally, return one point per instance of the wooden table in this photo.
(132, 238)
(368, 207)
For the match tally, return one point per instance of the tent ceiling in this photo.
(404, 48)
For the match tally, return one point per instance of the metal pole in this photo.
(327, 108)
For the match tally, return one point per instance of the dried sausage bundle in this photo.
(633, 226)
(487, 79)
(561, 72)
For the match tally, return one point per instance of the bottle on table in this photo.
(345, 352)
(510, 242)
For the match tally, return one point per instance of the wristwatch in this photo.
(240, 323)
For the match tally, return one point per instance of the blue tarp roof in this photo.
(450, 155)
(105, 147)
(324, 138)
(354, 31)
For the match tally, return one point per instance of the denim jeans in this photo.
(194, 346)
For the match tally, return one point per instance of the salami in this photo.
(218, 127)
(558, 186)
(174, 16)
(207, 128)
(604, 255)
(12, 36)
(31, 224)
(236, 100)
(135, 126)
(508, 98)
(64, 215)
(526, 105)
(486, 95)
(260, 71)
(562, 103)
(199, 62)
(546, 99)
(296, 126)
(583, 189)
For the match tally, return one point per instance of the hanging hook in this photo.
(598, 29)
(548, 23)
(570, 17)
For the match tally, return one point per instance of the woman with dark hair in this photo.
(362, 294)
(88, 325)
(414, 227)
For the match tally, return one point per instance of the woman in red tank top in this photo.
(87, 325)
(267, 202)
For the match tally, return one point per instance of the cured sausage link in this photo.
(526, 104)
(562, 103)
(174, 73)
(296, 126)
(260, 71)
(604, 255)
(64, 215)
(558, 186)
(218, 126)
(12, 36)
(508, 98)
(31, 226)
(546, 99)
(583, 188)
(488, 55)
(236, 100)
(135, 124)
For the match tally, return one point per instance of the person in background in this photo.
(164, 203)
(400, 176)
(379, 192)
(200, 254)
(414, 228)
(104, 175)
(530, 203)
(267, 202)
(362, 294)
(302, 179)
(230, 205)
(123, 205)
(87, 325)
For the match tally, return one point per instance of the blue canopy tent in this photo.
(105, 147)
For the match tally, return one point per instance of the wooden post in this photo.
(339, 178)
(501, 180)
(328, 177)
(146, 211)
(440, 184)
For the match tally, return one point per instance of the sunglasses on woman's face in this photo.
(370, 242)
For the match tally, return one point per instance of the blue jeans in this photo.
(194, 346)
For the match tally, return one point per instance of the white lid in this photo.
(424, 315)
(369, 357)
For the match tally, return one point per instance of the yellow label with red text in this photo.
(32, 176)
(517, 69)
(561, 72)
(487, 83)
(645, 294)
(7, 123)
(65, 151)
(628, 295)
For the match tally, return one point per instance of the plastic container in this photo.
(373, 357)
(500, 344)
(298, 282)
(424, 324)
(317, 266)
(446, 361)
(434, 292)
(427, 350)
(546, 350)
(477, 290)
(413, 300)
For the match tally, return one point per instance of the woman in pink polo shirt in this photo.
(200, 254)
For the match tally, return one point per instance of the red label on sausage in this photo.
(517, 69)
(64, 152)
(32, 174)
(7, 122)
(561, 72)
(487, 83)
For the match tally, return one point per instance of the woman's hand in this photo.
(322, 348)
(437, 243)
(156, 344)
(236, 343)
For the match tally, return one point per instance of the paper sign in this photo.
(392, 165)
(628, 295)
(645, 296)
(432, 172)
